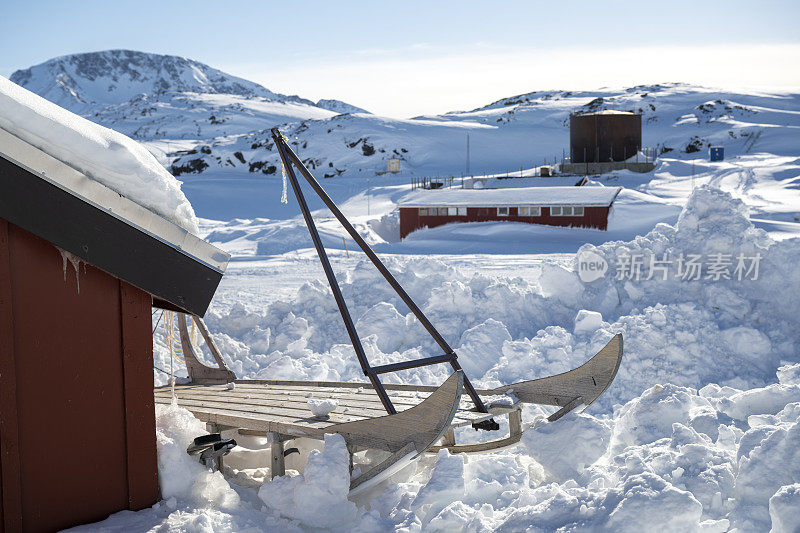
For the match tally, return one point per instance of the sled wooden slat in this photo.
(291, 405)
(336, 388)
(298, 416)
(365, 397)
(366, 401)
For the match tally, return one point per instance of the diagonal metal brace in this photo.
(289, 160)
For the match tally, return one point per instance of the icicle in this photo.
(75, 261)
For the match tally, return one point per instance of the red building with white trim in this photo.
(585, 207)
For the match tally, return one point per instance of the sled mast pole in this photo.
(288, 156)
(337, 293)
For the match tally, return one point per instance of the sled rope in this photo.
(169, 334)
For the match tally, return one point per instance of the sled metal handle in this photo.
(290, 160)
(405, 365)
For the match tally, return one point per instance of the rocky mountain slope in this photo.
(200, 120)
(153, 96)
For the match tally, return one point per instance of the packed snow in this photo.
(104, 155)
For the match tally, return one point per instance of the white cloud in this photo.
(424, 79)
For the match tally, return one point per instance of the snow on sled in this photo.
(403, 420)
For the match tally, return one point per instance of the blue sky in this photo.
(408, 58)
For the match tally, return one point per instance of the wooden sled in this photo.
(426, 420)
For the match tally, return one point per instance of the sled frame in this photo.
(290, 161)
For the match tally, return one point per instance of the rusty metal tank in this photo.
(604, 136)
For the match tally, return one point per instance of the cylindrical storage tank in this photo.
(604, 136)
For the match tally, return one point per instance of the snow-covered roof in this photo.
(586, 196)
(102, 154)
(608, 112)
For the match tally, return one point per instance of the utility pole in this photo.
(467, 154)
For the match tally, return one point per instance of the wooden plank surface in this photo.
(261, 405)
(137, 364)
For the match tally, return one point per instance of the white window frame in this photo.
(529, 211)
(452, 211)
(462, 211)
(500, 212)
(567, 211)
(423, 211)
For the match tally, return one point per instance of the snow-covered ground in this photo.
(699, 432)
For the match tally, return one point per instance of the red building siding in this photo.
(77, 439)
(593, 217)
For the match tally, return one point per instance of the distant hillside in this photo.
(160, 96)
(517, 132)
(200, 120)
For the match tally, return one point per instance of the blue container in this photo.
(716, 153)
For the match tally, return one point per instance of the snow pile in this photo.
(657, 460)
(102, 154)
(669, 457)
(318, 497)
(687, 332)
(784, 509)
(181, 477)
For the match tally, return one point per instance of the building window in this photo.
(567, 211)
(452, 211)
(462, 211)
(502, 211)
(529, 211)
(442, 211)
(423, 212)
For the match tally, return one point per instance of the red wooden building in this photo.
(77, 425)
(586, 207)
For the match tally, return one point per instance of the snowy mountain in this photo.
(339, 107)
(202, 120)
(150, 96)
(517, 132)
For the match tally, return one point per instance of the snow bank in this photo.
(669, 460)
(181, 476)
(318, 497)
(109, 157)
(686, 332)
(700, 431)
(784, 509)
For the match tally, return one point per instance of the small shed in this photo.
(604, 136)
(81, 268)
(586, 207)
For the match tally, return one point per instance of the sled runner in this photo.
(404, 420)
